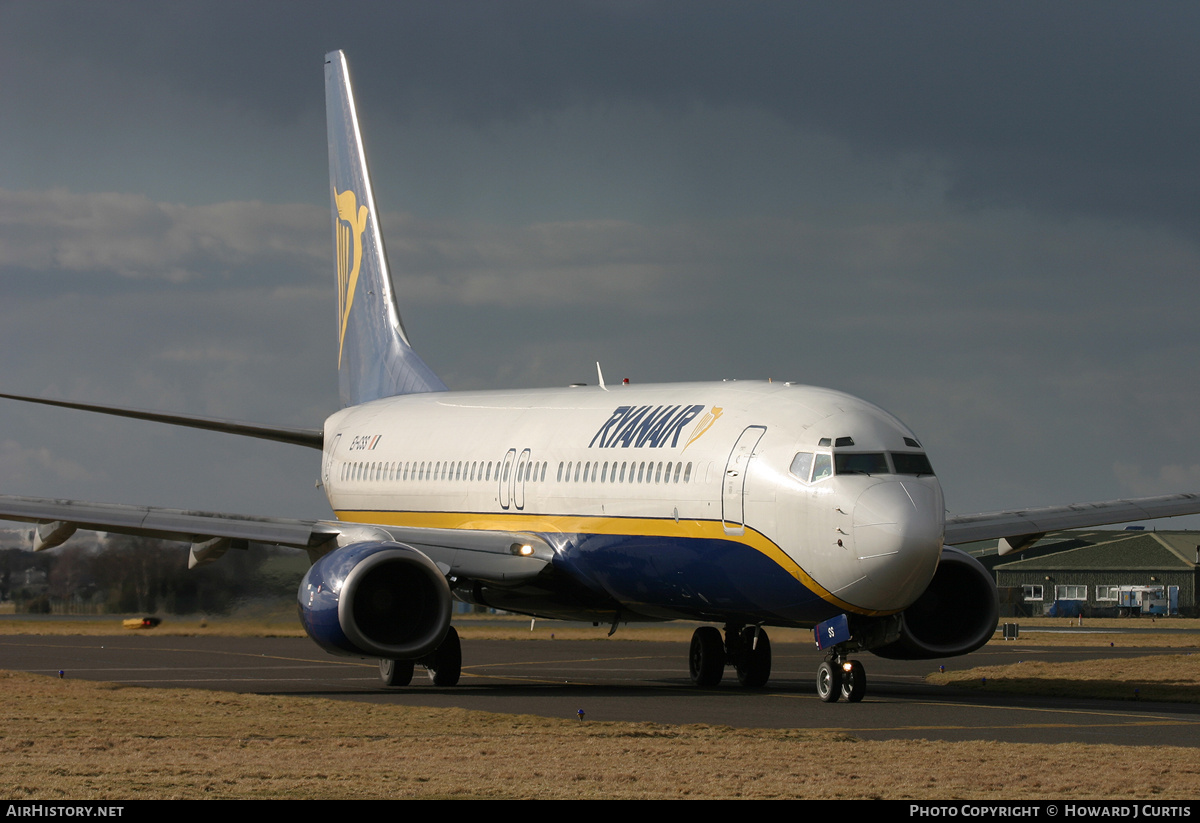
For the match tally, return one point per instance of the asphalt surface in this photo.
(630, 680)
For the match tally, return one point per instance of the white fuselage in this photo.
(674, 500)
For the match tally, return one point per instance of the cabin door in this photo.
(733, 486)
(523, 466)
(504, 474)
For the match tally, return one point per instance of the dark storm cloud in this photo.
(1069, 106)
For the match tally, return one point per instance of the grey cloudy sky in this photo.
(982, 217)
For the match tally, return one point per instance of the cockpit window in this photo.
(801, 467)
(911, 463)
(860, 463)
(822, 466)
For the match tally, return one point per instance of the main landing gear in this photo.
(841, 679)
(444, 664)
(745, 647)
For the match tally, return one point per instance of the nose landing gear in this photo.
(841, 679)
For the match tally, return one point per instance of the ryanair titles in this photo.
(648, 426)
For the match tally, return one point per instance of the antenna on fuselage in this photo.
(600, 374)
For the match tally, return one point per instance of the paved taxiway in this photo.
(628, 680)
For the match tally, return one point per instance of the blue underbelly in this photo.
(673, 577)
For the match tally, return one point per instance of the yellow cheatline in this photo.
(583, 524)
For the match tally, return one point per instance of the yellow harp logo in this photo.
(704, 425)
(351, 223)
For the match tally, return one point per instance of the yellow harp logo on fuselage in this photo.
(351, 224)
(704, 425)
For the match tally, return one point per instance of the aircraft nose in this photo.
(898, 532)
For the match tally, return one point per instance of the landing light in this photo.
(847, 666)
(521, 549)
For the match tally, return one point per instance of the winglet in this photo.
(375, 358)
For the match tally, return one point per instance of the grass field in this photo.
(82, 740)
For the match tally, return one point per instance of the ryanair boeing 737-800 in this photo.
(740, 504)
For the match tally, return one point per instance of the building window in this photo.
(1106, 593)
(1033, 592)
(1070, 592)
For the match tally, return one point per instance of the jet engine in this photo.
(374, 599)
(955, 615)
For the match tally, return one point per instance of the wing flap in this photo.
(1018, 523)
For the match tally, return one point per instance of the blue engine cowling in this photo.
(955, 615)
(375, 600)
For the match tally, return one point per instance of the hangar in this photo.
(1099, 573)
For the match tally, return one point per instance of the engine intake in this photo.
(955, 615)
(375, 600)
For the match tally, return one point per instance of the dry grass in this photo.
(84, 740)
(1165, 678)
(1190, 623)
(172, 627)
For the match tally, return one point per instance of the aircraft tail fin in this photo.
(375, 358)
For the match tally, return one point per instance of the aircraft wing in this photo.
(163, 524)
(312, 438)
(1020, 528)
(495, 557)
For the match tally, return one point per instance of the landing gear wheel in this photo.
(829, 682)
(754, 665)
(854, 682)
(706, 659)
(445, 664)
(395, 672)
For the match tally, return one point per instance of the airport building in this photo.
(1099, 573)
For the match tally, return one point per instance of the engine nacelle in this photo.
(955, 615)
(375, 600)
